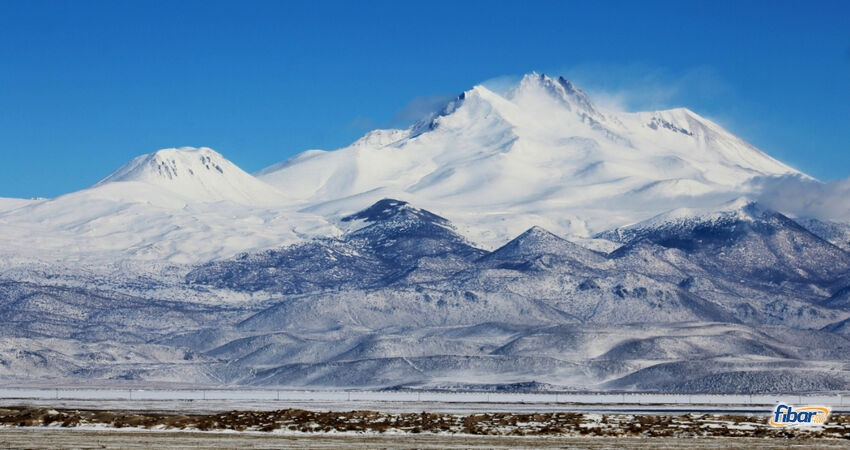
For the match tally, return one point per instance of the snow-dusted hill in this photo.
(402, 300)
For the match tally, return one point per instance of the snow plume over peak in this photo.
(381, 138)
(199, 174)
(476, 103)
(560, 90)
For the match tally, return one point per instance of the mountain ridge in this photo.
(493, 164)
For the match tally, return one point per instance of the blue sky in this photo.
(86, 86)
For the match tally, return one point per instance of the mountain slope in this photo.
(388, 240)
(743, 241)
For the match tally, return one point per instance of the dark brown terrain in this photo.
(550, 424)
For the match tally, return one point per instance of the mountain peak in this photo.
(741, 209)
(537, 241)
(536, 233)
(200, 174)
(577, 95)
(680, 226)
(170, 164)
(391, 209)
(401, 234)
(476, 102)
(561, 90)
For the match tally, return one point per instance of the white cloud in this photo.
(419, 108)
(803, 197)
(501, 84)
(640, 87)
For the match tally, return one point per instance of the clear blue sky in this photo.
(85, 86)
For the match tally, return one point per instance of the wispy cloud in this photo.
(361, 124)
(804, 197)
(501, 84)
(629, 87)
(634, 87)
(420, 107)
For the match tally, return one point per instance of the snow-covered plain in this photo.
(519, 241)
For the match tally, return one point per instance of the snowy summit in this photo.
(200, 174)
(542, 153)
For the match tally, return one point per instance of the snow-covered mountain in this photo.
(540, 154)
(524, 238)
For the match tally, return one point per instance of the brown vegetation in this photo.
(499, 424)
